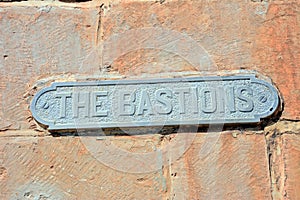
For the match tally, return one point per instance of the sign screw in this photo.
(46, 105)
(263, 99)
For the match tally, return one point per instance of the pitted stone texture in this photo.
(286, 167)
(292, 164)
(228, 168)
(252, 35)
(45, 41)
(40, 42)
(61, 168)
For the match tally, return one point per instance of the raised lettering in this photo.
(126, 106)
(155, 102)
(145, 104)
(208, 100)
(97, 104)
(194, 98)
(81, 101)
(181, 93)
(63, 100)
(243, 94)
(230, 100)
(226, 99)
(163, 97)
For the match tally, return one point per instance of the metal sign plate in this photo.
(157, 102)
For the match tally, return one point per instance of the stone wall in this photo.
(46, 41)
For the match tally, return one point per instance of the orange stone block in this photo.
(215, 166)
(40, 45)
(291, 156)
(220, 166)
(260, 36)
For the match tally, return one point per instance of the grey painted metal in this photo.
(155, 102)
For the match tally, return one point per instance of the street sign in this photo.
(155, 102)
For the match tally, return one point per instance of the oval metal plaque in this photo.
(131, 103)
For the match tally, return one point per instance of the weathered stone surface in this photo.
(291, 151)
(43, 42)
(251, 35)
(61, 168)
(283, 149)
(285, 167)
(223, 167)
(37, 43)
(228, 168)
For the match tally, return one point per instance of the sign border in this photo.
(55, 85)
